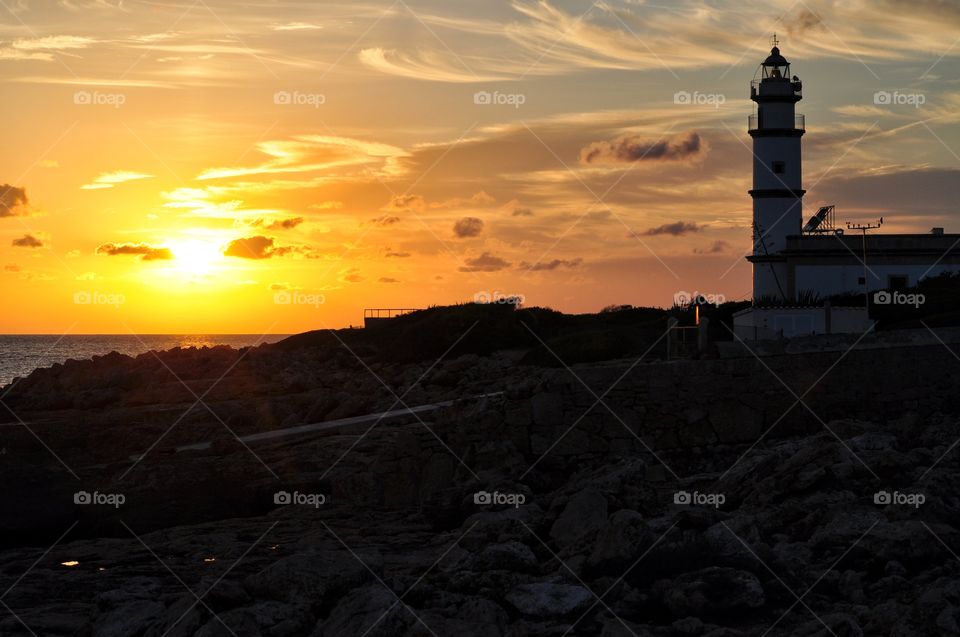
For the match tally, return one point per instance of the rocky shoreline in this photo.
(499, 516)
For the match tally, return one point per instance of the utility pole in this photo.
(863, 228)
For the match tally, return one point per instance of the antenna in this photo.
(774, 41)
(864, 227)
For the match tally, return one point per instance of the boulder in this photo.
(712, 591)
(549, 599)
(584, 514)
(622, 541)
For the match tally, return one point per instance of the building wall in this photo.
(788, 322)
(827, 280)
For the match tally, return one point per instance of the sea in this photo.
(21, 354)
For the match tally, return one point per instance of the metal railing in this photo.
(799, 123)
(385, 313)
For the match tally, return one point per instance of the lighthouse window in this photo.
(779, 167)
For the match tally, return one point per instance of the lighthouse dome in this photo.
(775, 58)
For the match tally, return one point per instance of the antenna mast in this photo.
(863, 228)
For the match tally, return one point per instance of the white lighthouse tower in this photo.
(777, 173)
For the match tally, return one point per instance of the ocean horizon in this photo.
(20, 354)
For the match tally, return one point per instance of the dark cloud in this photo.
(146, 252)
(552, 265)
(27, 241)
(718, 247)
(804, 20)
(631, 148)
(256, 247)
(353, 276)
(677, 229)
(522, 212)
(396, 255)
(468, 227)
(386, 279)
(385, 221)
(277, 224)
(11, 268)
(406, 202)
(910, 193)
(486, 262)
(12, 200)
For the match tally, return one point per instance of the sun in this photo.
(197, 257)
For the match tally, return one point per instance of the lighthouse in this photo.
(777, 192)
(804, 276)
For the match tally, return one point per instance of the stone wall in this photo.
(695, 404)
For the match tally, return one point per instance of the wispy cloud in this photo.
(109, 180)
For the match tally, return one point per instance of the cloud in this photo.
(676, 229)
(386, 220)
(718, 247)
(479, 199)
(310, 154)
(396, 255)
(277, 224)
(27, 241)
(261, 247)
(386, 279)
(109, 180)
(326, 205)
(352, 276)
(426, 65)
(486, 262)
(403, 203)
(521, 212)
(468, 227)
(12, 201)
(146, 252)
(552, 265)
(296, 26)
(44, 48)
(633, 148)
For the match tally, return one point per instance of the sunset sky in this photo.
(206, 166)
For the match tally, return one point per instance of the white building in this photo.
(797, 266)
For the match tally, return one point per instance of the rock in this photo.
(623, 539)
(312, 578)
(271, 619)
(510, 556)
(547, 409)
(584, 514)
(372, 611)
(128, 619)
(713, 590)
(549, 599)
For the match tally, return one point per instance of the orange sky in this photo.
(231, 167)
